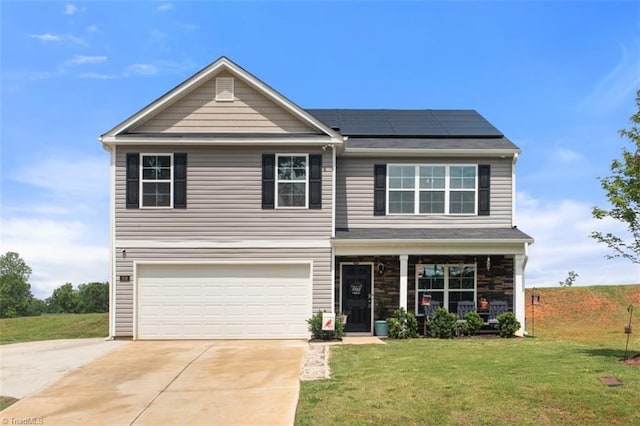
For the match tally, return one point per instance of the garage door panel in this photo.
(223, 301)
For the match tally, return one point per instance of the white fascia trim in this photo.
(380, 248)
(395, 152)
(395, 242)
(194, 81)
(313, 140)
(142, 244)
(513, 189)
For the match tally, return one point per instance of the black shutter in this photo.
(315, 181)
(484, 184)
(268, 180)
(133, 184)
(180, 181)
(379, 189)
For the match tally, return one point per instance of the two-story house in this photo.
(235, 213)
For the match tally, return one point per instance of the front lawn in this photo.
(48, 327)
(473, 381)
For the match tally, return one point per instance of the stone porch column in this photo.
(404, 286)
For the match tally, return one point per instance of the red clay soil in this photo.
(597, 313)
(634, 360)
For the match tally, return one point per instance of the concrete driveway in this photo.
(175, 382)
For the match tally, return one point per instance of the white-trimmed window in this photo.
(432, 189)
(446, 284)
(292, 180)
(156, 185)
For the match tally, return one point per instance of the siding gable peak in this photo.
(267, 111)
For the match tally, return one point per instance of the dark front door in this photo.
(356, 297)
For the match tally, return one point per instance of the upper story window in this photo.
(157, 180)
(291, 180)
(431, 189)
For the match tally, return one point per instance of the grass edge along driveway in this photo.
(473, 381)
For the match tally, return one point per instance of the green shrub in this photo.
(474, 323)
(402, 325)
(508, 324)
(315, 328)
(441, 324)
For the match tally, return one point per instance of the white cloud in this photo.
(46, 37)
(165, 7)
(100, 76)
(142, 69)
(70, 9)
(617, 87)
(62, 230)
(561, 230)
(566, 155)
(68, 39)
(92, 28)
(84, 176)
(57, 251)
(86, 60)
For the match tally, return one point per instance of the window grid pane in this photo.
(402, 177)
(462, 202)
(401, 202)
(432, 177)
(462, 177)
(431, 202)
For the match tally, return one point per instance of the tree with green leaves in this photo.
(64, 300)
(15, 290)
(93, 297)
(623, 191)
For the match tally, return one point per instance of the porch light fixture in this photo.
(380, 268)
(124, 254)
(488, 263)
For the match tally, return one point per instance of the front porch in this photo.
(364, 284)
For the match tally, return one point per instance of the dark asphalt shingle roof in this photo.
(432, 234)
(407, 123)
(431, 143)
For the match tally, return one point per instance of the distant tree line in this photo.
(16, 299)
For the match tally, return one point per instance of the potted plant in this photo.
(380, 325)
(484, 303)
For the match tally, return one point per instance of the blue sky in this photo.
(558, 78)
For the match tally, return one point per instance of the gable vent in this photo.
(224, 89)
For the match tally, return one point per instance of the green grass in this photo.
(48, 327)
(547, 380)
(473, 381)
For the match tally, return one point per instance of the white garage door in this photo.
(223, 301)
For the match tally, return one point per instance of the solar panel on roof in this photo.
(425, 123)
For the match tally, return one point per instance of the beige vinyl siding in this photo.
(224, 200)
(354, 196)
(124, 311)
(199, 112)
